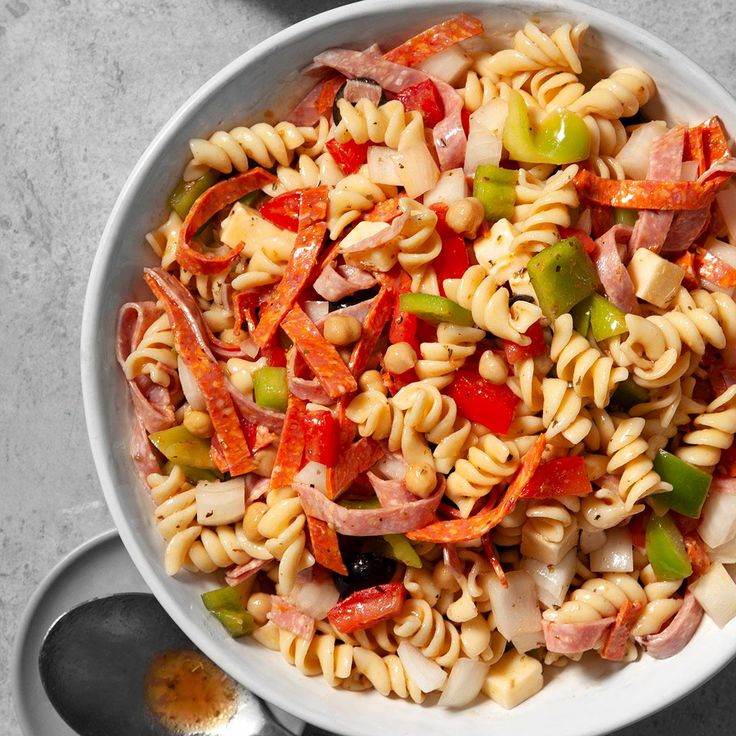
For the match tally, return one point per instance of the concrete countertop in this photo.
(84, 86)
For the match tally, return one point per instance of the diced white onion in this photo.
(529, 640)
(313, 474)
(450, 187)
(418, 171)
(616, 555)
(449, 65)
(726, 553)
(485, 136)
(585, 221)
(315, 597)
(220, 502)
(552, 581)
(726, 200)
(316, 310)
(190, 387)
(634, 156)
(591, 541)
(464, 683)
(725, 251)
(515, 608)
(383, 165)
(716, 592)
(423, 672)
(718, 519)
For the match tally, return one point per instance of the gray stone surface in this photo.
(84, 85)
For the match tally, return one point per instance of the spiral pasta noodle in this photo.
(550, 530)
(154, 354)
(352, 195)
(620, 95)
(364, 122)
(440, 360)
(426, 629)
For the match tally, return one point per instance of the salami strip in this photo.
(288, 617)
(574, 638)
(355, 460)
(685, 229)
(369, 522)
(333, 286)
(208, 204)
(435, 39)
(325, 545)
(321, 356)
(236, 575)
(614, 648)
(291, 446)
(380, 312)
(390, 492)
(356, 90)
(647, 194)
(465, 530)
(193, 350)
(380, 238)
(611, 270)
(665, 164)
(673, 638)
(142, 452)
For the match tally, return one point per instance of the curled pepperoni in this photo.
(208, 204)
(378, 316)
(358, 458)
(325, 545)
(291, 446)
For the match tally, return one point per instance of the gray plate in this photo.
(100, 567)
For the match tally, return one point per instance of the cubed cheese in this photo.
(380, 259)
(245, 225)
(655, 279)
(716, 592)
(513, 679)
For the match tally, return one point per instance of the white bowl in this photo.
(590, 699)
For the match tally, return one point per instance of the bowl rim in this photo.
(106, 251)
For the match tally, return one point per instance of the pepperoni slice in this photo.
(614, 648)
(312, 206)
(325, 545)
(208, 204)
(356, 460)
(647, 194)
(435, 39)
(465, 530)
(322, 358)
(380, 312)
(384, 211)
(210, 378)
(291, 446)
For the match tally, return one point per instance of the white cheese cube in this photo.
(655, 279)
(536, 545)
(716, 592)
(513, 679)
(245, 225)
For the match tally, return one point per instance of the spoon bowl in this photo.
(119, 665)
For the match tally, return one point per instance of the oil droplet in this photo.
(188, 693)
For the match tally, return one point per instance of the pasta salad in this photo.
(438, 374)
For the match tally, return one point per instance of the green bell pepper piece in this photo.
(496, 189)
(435, 309)
(226, 604)
(182, 447)
(625, 216)
(666, 549)
(186, 193)
(360, 503)
(194, 474)
(628, 394)
(270, 387)
(561, 138)
(689, 484)
(562, 276)
(402, 550)
(581, 317)
(604, 318)
(252, 199)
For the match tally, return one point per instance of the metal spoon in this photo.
(97, 658)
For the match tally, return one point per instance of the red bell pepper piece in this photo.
(283, 210)
(480, 401)
(452, 261)
(349, 156)
(322, 437)
(274, 354)
(367, 607)
(563, 476)
(575, 232)
(638, 528)
(465, 119)
(424, 98)
(537, 346)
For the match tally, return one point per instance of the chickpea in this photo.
(259, 606)
(198, 423)
(465, 216)
(420, 479)
(264, 460)
(371, 380)
(342, 330)
(399, 358)
(493, 367)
